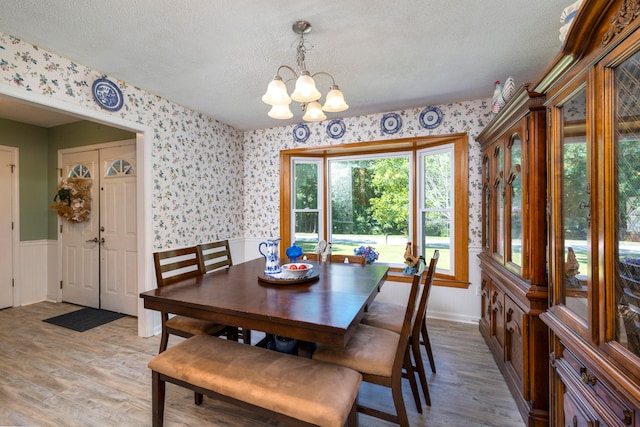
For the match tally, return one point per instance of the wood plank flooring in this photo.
(52, 376)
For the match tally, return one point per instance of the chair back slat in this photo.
(421, 308)
(176, 264)
(215, 255)
(407, 322)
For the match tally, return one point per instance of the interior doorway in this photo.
(99, 256)
(8, 227)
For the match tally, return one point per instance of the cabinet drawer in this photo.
(497, 314)
(485, 314)
(599, 392)
(514, 342)
(577, 415)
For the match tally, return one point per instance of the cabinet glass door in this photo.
(575, 210)
(498, 203)
(626, 181)
(486, 204)
(514, 182)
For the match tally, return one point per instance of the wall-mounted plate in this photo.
(336, 129)
(430, 117)
(107, 94)
(301, 133)
(390, 123)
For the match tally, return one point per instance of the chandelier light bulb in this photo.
(280, 112)
(276, 93)
(334, 102)
(314, 112)
(305, 89)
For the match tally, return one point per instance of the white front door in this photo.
(118, 254)
(80, 241)
(99, 257)
(7, 166)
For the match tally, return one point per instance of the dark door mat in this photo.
(84, 319)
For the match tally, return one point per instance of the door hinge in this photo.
(60, 284)
(60, 172)
(12, 225)
(60, 228)
(12, 168)
(13, 283)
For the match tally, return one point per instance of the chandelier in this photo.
(305, 90)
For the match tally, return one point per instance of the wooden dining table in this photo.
(326, 310)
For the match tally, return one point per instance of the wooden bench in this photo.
(296, 390)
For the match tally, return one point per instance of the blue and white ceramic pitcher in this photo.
(272, 256)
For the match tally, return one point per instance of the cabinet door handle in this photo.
(586, 378)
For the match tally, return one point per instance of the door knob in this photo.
(94, 240)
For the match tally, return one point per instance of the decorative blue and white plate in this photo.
(107, 94)
(335, 129)
(301, 133)
(431, 117)
(390, 123)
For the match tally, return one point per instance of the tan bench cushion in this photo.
(301, 388)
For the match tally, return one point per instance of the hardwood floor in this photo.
(52, 376)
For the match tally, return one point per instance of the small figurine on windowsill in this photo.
(410, 260)
(323, 249)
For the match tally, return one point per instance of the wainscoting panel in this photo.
(32, 278)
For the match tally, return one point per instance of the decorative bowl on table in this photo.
(295, 270)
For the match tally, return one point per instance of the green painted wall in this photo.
(32, 143)
(38, 159)
(74, 135)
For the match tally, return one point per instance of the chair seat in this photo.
(370, 350)
(384, 315)
(193, 326)
(317, 393)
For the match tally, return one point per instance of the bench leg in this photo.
(158, 388)
(352, 419)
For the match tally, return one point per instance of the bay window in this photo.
(381, 195)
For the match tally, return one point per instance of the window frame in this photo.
(460, 276)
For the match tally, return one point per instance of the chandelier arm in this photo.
(326, 74)
(288, 68)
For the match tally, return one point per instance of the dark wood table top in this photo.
(324, 311)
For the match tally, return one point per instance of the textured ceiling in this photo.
(217, 57)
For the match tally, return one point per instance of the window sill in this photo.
(395, 275)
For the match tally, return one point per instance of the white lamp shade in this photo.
(280, 112)
(314, 112)
(305, 90)
(334, 102)
(276, 93)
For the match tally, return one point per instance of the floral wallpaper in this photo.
(209, 180)
(262, 147)
(196, 160)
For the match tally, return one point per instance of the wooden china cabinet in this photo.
(513, 259)
(592, 91)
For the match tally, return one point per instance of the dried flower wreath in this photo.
(73, 199)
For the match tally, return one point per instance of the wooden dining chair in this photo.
(344, 258)
(348, 259)
(216, 256)
(171, 267)
(389, 316)
(380, 356)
